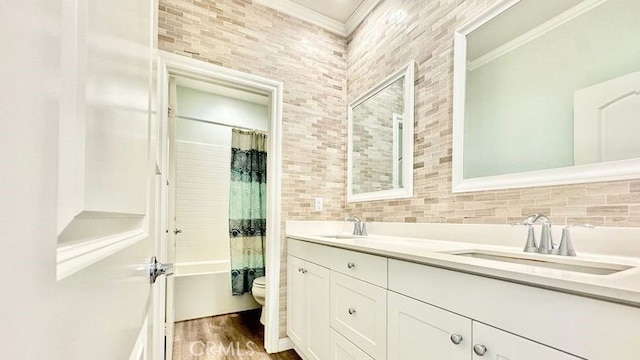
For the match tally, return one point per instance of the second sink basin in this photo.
(550, 262)
(340, 236)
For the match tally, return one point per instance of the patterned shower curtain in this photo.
(247, 208)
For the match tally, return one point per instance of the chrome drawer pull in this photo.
(352, 311)
(456, 339)
(480, 350)
(351, 265)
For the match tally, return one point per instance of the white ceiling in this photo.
(340, 10)
(338, 16)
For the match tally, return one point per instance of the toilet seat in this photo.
(259, 282)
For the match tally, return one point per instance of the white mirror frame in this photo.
(407, 133)
(607, 171)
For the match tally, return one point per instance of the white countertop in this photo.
(622, 287)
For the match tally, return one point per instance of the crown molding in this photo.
(301, 12)
(359, 15)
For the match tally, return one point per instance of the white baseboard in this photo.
(285, 344)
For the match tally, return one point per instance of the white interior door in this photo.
(77, 198)
(607, 120)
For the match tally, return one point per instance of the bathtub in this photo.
(203, 289)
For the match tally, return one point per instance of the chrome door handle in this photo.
(480, 350)
(177, 231)
(156, 269)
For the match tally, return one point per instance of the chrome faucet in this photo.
(359, 228)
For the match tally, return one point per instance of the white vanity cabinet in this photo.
(516, 321)
(421, 331)
(353, 305)
(366, 306)
(308, 307)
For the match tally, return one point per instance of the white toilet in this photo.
(258, 290)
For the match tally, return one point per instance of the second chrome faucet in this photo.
(359, 226)
(547, 246)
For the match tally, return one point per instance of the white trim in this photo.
(304, 13)
(139, 351)
(397, 121)
(408, 72)
(181, 65)
(75, 257)
(609, 171)
(285, 344)
(359, 15)
(536, 32)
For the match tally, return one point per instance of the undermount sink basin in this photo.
(544, 261)
(341, 236)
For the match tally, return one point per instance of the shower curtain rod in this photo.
(221, 124)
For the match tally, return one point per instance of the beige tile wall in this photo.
(311, 63)
(314, 66)
(379, 47)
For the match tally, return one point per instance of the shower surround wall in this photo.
(309, 61)
(314, 66)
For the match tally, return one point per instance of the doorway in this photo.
(197, 134)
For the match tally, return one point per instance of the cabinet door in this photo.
(316, 311)
(359, 313)
(500, 345)
(420, 331)
(295, 301)
(343, 349)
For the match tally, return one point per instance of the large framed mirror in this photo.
(380, 140)
(547, 93)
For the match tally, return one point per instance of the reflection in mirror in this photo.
(548, 85)
(377, 146)
(375, 140)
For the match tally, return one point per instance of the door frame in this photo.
(173, 64)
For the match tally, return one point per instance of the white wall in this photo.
(221, 109)
(520, 106)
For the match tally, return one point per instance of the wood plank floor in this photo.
(233, 336)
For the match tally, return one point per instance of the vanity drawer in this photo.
(366, 267)
(359, 313)
(342, 349)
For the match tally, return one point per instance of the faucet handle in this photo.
(363, 228)
(566, 245)
(530, 245)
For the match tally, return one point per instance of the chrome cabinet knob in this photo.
(352, 311)
(456, 339)
(351, 265)
(299, 270)
(304, 271)
(480, 350)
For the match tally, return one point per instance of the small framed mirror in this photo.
(380, 140)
